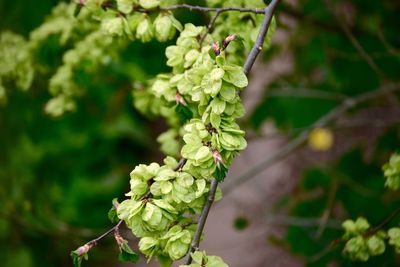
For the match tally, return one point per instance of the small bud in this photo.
(115, 203)
(217, 157)
(120, 240)
(229, 39)
(179, 99)
(80, 2)
(216, 48)
(83, 249)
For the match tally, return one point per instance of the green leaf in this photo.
(240, 40)
(240, 223)
(215, 120)
(112, 213)
(183, 112)
(218, 105)
(235, 76)
(149, 4)
(220, 59)
(376, 245)
(125, 6)
(202, 153)
(113, 26)
(127, 254)
(198, 256)
(191, 30)
(77, 257)
(217, 74)
(77, 10)
(227, 93)
(212, 81)
(163, 28)
(144, 30)
(176, 23)
(220, 172)
(164, 261)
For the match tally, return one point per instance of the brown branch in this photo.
(202, 220)
(110, 5)
(382, 224)
(209, 27)
(309, 222)
(336, 242)
(214, 9)
(180, 165)
(303, 136)
(327, 212)
(353, 40)
(306, 93)
(85, 248)
(251, 58)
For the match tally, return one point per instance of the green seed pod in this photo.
(163, 28)
(125, 6)
(113, 26)
(144, 30)
(149, 4)
(149, 246)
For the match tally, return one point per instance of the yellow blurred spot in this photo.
(320, 139)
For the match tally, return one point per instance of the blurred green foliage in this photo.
(328, 69)
(58, 176)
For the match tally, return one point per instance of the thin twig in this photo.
(356, 44)
(180, 165)
(214, 9)
(209, 27)
(392, 50)
(268, 11)
(303, 136)
(85, 248)
(382, 224)
(366, 123)
(251, 58)
(202, 220)
(335, 242)
(305, 92)
(327, 212)
(109, 5)
(310, 222)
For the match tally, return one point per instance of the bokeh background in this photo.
(59, 175)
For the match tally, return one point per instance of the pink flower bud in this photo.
(83, 249)
(179, 99)
(217, 157)
(229, 39)
(216, 48)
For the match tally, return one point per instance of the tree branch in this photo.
(110, 5)
(303, 136)
(306, 93)
(202, 220)
(268, 11)
(382, 224)
(209, 27)
(180, 165)
(251, 58)
(356, 44)
(214, 9)
(85, 248)
(309, 222)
